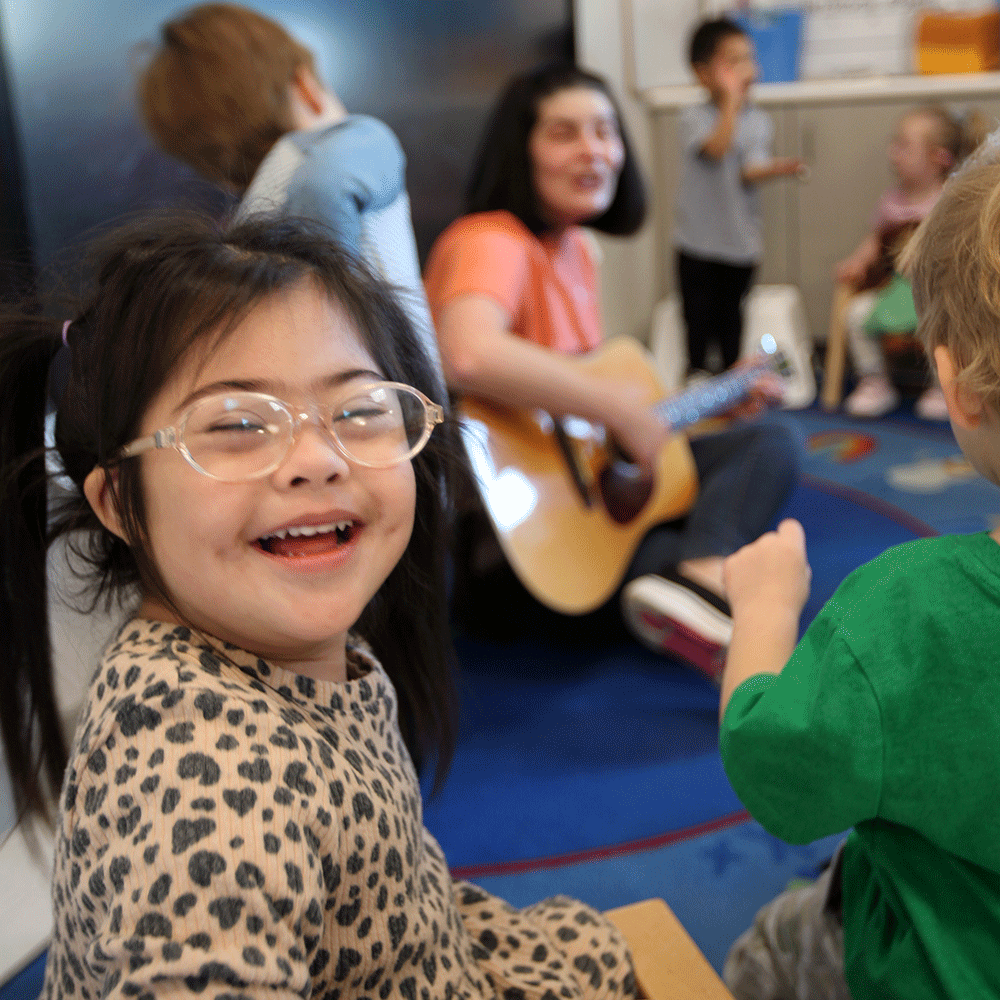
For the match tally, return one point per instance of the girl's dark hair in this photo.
(163, 285)
(501, 173)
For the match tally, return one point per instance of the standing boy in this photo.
(725, 146)
(884, 719)
(232, 94)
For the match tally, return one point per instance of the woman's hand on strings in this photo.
(766, 391)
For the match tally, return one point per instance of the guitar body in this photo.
(569, 554)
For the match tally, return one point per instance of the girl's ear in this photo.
(96, 490)
(965, 408)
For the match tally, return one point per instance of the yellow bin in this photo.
(959, 43)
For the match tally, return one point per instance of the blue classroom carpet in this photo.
(27, 984)
(596, 773)
(592, 769)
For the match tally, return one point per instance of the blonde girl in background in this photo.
(928, 143)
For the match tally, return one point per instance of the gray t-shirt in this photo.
(718, 216)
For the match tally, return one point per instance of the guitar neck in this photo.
(709, 397)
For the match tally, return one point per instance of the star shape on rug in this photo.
(721, 855)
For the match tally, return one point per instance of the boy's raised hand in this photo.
(770, 575)
(767, 583)
(789, 166)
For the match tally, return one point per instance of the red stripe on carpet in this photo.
(599, 853)
(869, 502)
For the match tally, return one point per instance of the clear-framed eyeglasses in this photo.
(238, 436)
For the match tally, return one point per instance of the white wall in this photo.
(630, 283)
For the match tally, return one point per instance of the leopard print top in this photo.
(231, 829)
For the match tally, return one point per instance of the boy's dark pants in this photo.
(712, 296)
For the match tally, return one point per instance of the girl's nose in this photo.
(314, 457)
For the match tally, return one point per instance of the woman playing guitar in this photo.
(513, 289)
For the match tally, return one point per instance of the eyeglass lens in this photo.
(240, 435)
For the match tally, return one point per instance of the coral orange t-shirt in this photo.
(547, 286)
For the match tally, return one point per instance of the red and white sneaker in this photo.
(671, 614)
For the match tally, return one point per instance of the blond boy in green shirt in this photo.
(885, 718)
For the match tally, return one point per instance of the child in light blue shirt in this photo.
(232, 94)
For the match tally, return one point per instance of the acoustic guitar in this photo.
(568, 508)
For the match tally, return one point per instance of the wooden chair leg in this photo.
(836, 349)
(668, 964)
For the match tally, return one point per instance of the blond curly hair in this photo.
(953, 264)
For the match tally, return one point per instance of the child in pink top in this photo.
(928, 143)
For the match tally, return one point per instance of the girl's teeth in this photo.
(308, 530)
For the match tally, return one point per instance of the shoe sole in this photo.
(670, 618)
(872, 405)
(870, 413)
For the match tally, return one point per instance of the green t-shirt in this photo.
(887, 719)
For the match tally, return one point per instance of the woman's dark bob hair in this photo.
(167, 288)
(501, 174)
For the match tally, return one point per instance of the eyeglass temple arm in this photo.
(165, 438)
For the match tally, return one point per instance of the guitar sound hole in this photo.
(625, 489)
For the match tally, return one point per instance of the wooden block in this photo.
(668, 964)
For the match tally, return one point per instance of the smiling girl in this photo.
(248, 424)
